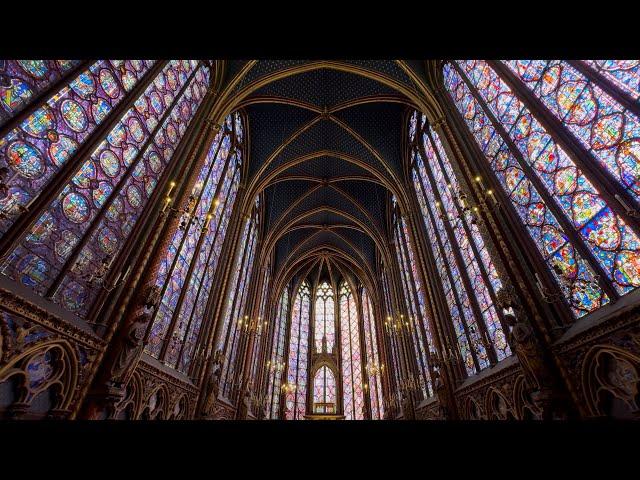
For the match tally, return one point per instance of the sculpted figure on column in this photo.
(539, 378)
(212, 386)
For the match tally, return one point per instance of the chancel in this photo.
(319, 239)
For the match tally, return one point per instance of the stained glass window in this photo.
(186, 272)
(374, 368)
(468, 275)
(68, 252)
(295, 401)
(235, 317)
(394, 354)
(414, 297)
(586, 243)
(260, 330)
(275, 365)
(21, 81)
(324, 326)
(40, 144)
(351, 359)
(324, 390)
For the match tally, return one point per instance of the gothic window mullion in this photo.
(176, 258)
(420, 336)
(412, 303)
(452, 289)
(212, 250)
(550, 202)
(231, 346)
(471, 240)
(298, 341)
(194, 259)
(72, 258)
(601, 177)
(462, 266)
(230, 311)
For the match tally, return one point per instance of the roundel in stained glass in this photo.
(39, 122)
(171, 79)
(35, 68)
(85, 175)
(108, 83)
(156, 102)
(141, 105)
(74, 115)
(115, 209)
(186, 65)
(171, 133)
(155, 162)
(84, 85)
(75, 207)
(134, 196)
(67, 241)
(107, 240)
(117, 135)
(74, 296)
(110, 163)
(129, 153)
(150, 185)
(100, 109)
(42, 229)
(128, 80)
(139, 171)
(12, 96)
(136, 130)
(32, 270)
(25, 159)
(101, 193)
(61, 150)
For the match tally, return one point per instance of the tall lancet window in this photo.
(374, 368)
(324, 326)
(468, 276)
(236, 315)
(275, 364)
(418, 321)
(297, 371)
(351, 359)
(324, 391)
(186, 272)
(100, 179)
(562, 140)
(393, 347)
(261, 328)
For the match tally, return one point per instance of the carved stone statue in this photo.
(212, 386)
(407, 407)
(245, 404)
(131, 344)
(527, 347)
(132, 340)
(441, 390)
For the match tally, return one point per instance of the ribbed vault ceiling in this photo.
(325, 149)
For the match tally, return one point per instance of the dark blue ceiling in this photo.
(378, 123)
